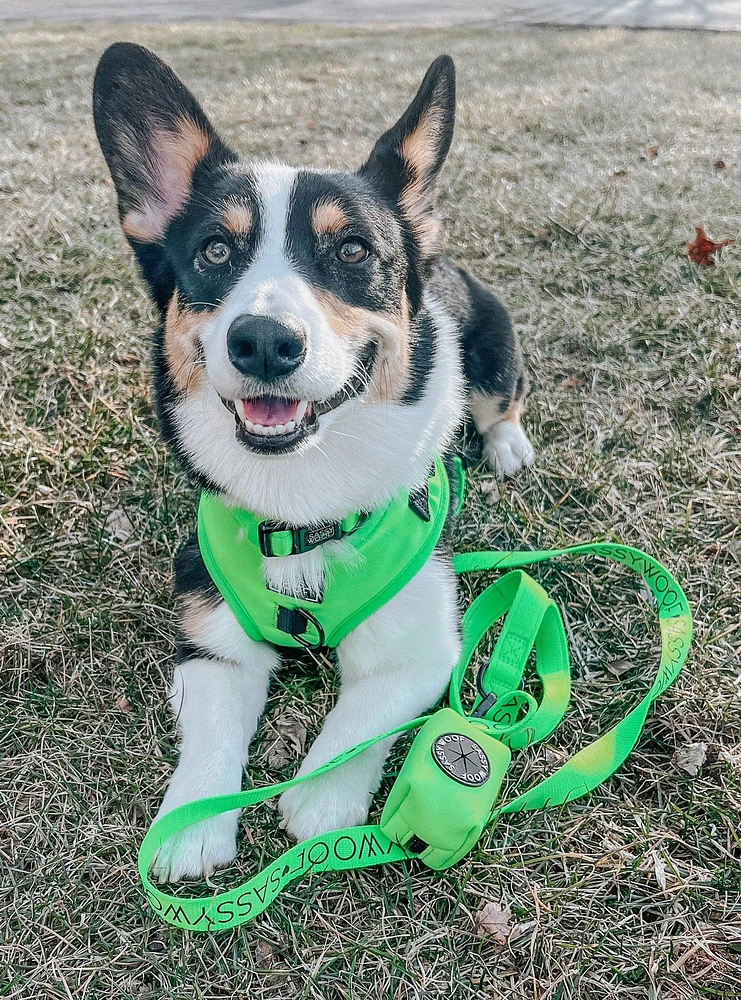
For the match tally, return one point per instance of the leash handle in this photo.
(361, 847)
(594, 763)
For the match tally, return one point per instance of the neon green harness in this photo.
(445, 794)
(391, 545)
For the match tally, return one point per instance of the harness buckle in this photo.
(303, 539)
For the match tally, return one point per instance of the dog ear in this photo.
(406, 160)
(154, 135)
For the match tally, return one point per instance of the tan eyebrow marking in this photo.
(238, 219)
(328, 217)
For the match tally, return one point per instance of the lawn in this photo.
(582, 162)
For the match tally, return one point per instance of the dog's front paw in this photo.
(508, 448)
(330, 802)
(198, 850)
(201, 848)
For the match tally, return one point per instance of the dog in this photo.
(315, 353)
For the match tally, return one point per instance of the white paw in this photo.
(508, 448)
(199, 849)
(330, 802)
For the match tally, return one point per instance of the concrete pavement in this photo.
(708, 14)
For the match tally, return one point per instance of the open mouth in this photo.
(271, 423)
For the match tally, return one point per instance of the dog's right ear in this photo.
(154, 135)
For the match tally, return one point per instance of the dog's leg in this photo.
(497, 419)
(393, 666)
(495, 376)
(218, 694)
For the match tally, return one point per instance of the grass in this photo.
(582, 163)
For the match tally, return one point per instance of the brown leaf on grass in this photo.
(650, 152)
(690, 758)
(122, 703)
(571, 383)
(701, 249)
(619, 667)
(118, 525)
(490, 489)
(289, 745)
(720, 164)
(494, 920)
(264, 953)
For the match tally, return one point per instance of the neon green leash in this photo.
(445, 794)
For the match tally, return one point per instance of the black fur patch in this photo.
(422, 359)
(187, 650)
(200, 285)
(191, 575)
(376, 283)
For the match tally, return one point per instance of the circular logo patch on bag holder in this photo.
(461, 758)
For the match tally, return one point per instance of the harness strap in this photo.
(279, 539)
(537, 621)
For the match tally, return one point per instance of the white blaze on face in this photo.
(272, 287)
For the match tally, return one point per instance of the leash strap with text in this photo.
(419, 821)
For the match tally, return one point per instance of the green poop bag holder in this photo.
(446, 792)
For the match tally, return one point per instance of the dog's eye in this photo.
(216, 252)
(352, 252)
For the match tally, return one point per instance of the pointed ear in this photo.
(406, 160)
(153, 134)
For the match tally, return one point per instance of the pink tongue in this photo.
(269, 411)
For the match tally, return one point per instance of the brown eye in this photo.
(352, 252)
(216, 252)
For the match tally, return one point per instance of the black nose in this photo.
(263, 348)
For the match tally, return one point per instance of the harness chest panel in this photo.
(391, 544)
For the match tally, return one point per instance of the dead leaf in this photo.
(701, 249)
(650, 152)
(289, 744)
(571, 383)
(660, 869)
(494, 921)
(620, 173)
(264, 953)
(541, 235)
(118, 524)
(720, 164)
(490, 489)
(122, 703)
(619, 667)
(690, 758)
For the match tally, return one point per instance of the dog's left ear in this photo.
(405, 162)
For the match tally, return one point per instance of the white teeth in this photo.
(262, 431)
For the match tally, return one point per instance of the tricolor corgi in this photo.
(315, 353)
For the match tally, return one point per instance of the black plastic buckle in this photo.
(293, 622)
(302, 539)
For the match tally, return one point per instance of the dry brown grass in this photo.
(554, 194)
